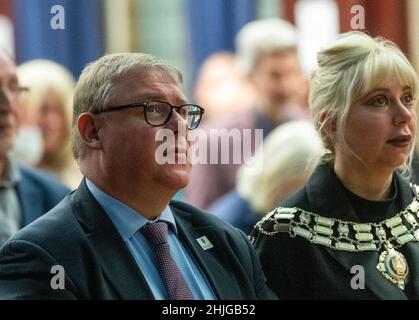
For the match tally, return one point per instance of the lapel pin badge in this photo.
(204, 243)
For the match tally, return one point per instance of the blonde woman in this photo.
(50, 98)
(352, 231)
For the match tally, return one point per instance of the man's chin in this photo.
(182, 177)
(177, 176)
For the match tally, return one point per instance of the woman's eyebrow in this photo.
(406, 88)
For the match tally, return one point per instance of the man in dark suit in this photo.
(25, 194)
(118, 236)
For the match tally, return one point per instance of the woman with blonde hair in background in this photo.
(352, 232)
(49, 98)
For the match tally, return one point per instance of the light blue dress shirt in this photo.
(128, 222)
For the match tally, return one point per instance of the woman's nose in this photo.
(403, 114)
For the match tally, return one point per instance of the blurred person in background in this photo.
(25, 194)
(352, 231)
(222, 87)
(289, 155)
(267, 53)
(49, 103)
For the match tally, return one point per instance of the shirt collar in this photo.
(126, 220)
(11, 174)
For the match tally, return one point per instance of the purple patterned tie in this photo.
(176, 286)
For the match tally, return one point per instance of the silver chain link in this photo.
(379, 242)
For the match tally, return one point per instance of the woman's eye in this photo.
(407, 100)
(379, 101)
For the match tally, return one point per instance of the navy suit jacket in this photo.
(78, 235)
(37, 193)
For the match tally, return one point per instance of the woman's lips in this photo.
(401, 141)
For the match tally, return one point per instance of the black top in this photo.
(299, 269)
(368, 211)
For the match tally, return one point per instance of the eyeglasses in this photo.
(157, 113)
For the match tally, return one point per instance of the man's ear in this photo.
(87, 125)
(328, 123)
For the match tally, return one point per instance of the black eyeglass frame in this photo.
(144, 104)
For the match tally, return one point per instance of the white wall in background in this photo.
(318, 24)
(7, 35)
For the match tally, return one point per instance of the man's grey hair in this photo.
(264, 36)
(95, 87)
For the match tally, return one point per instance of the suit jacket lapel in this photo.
(321, 203)
(117, 263)
(208, 260)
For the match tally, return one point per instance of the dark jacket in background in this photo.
(37, 193)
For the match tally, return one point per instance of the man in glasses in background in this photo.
(119, 235)
(25, 194)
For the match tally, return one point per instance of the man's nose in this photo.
(177, 121)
